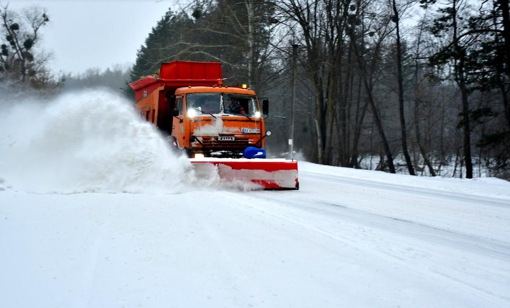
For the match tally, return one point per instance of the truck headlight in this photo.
(257, 114)
(192, 113)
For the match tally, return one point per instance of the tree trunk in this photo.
(466, 128)
(368, 88)
(380, 129)
(460, 78)
(251, 44)
(400, 82)
(320, 155)
(505, 12)
(423, 151)
(358, 122)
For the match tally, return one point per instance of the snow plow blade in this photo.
(267, 173)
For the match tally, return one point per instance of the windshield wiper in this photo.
(199, 109)
(212, 115)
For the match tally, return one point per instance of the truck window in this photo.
(205, 102)
(247, 102)
(178, 104)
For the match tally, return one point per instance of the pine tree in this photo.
(165, 43)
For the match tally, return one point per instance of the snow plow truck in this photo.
(219, 127)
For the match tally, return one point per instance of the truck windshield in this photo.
(204, 102)
(240, 104)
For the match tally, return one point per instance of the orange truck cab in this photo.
(189, 103)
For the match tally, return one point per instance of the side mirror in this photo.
(265, 107)
(176, 113)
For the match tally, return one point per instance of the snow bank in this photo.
(492, 187)
(89, 141)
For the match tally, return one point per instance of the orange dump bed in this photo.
(177, 74)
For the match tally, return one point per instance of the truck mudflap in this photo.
(266, 173)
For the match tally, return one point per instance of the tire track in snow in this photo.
(477, 244)
(396, 225)
(97, 236)
(271, 201)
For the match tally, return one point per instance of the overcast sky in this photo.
(85, 34)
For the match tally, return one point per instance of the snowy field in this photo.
(95, 211)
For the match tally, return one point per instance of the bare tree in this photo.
(320, 28)
(449, 23)
(418, 95)
(368, 66)
(22, 34)
(400, 82)
(23, 63)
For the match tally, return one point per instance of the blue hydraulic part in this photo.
(254, 152)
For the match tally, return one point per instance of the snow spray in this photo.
(87, 141)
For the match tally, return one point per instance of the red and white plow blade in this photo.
(268, 173)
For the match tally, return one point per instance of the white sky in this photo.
(96, 34)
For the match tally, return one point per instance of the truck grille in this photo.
(214, 144)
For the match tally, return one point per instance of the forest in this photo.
(401, 86)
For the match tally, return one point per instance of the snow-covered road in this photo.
(96, 211)
(339, 241)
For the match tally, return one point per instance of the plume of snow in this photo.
(88, 141)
